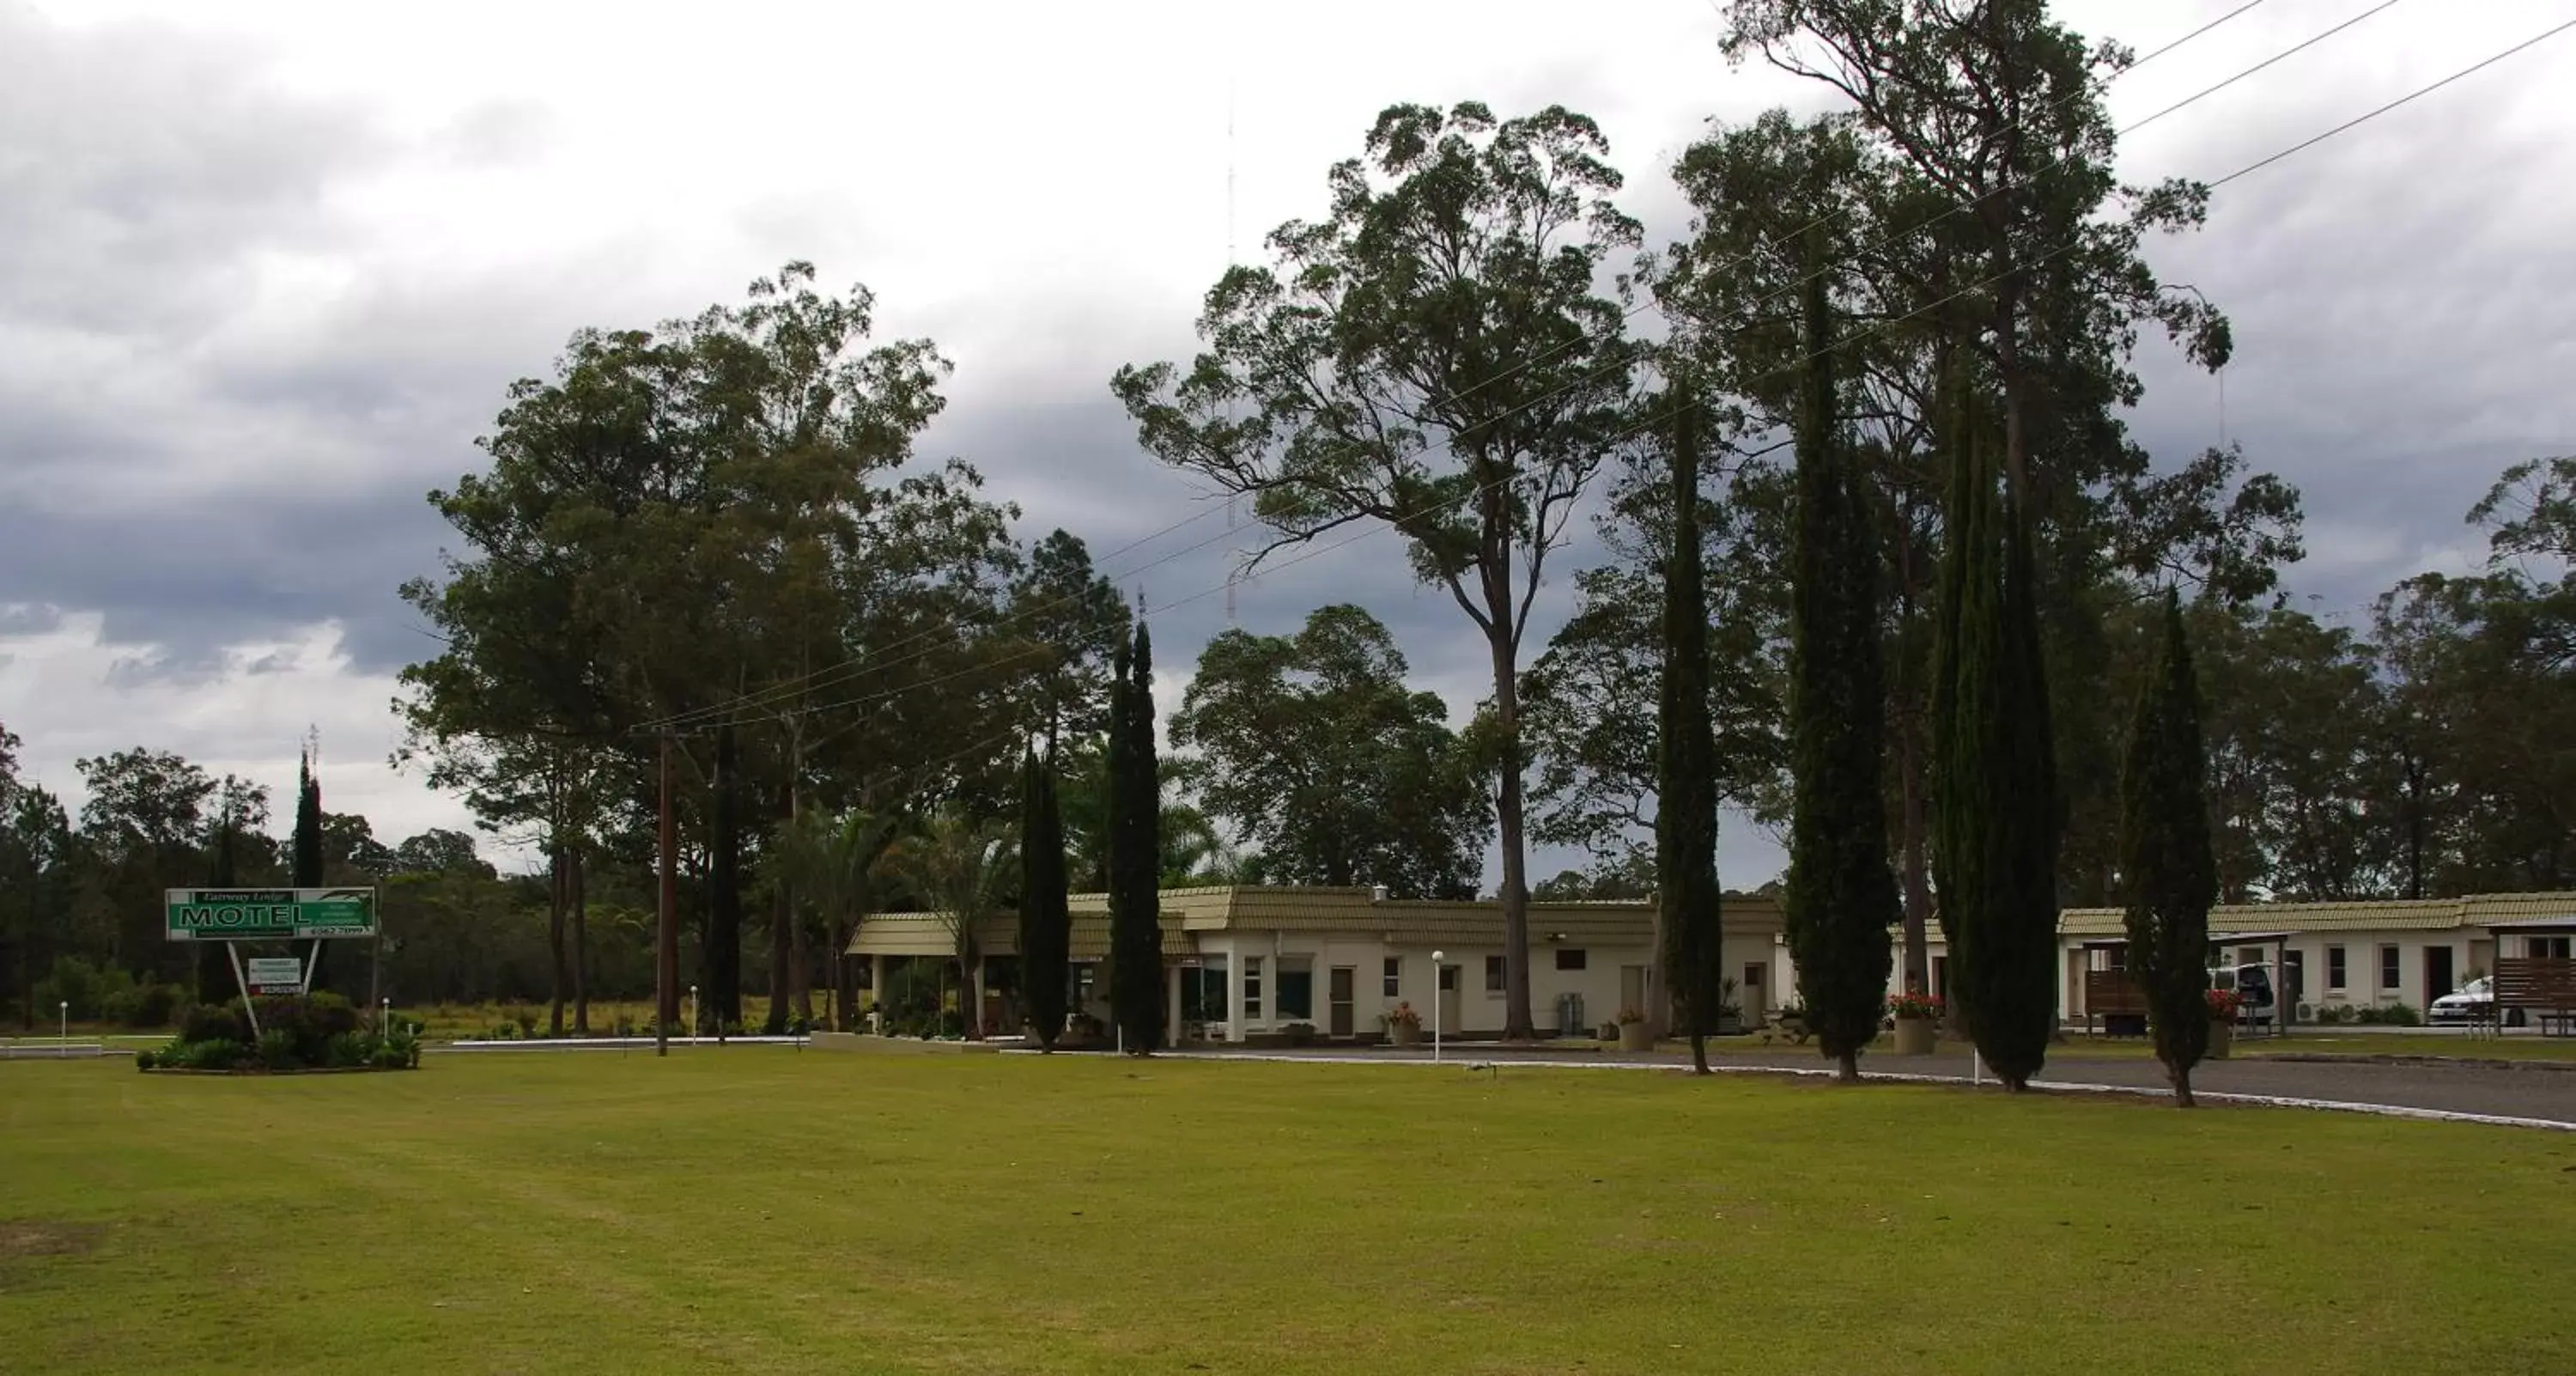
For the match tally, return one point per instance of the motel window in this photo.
(2388, 976)
(1394, 976)
(1493, 974)
(2546, 947)
(1251, 987)
(1569, 959)
(2334, 967)
(1296, 991)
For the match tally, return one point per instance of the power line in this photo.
(849, 668)
(1655, 420)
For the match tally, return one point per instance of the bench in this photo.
(2117, 1000)
(2543, 986)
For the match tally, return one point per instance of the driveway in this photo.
(2537, 1096)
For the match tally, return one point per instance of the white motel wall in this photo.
(1257, 961)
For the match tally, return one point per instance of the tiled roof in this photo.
(1293, 908)
(926, 934)
(2379, 915)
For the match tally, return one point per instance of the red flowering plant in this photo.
(1912, 1005)
(2223, 1004)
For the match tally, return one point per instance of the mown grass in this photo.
(764, 1209)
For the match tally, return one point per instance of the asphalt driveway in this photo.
(2540, 1094)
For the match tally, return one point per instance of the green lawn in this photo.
(768, 1210)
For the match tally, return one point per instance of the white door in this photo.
(1448, 1000)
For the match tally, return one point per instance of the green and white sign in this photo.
(270, 914)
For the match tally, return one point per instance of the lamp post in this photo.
(384, 1017)
(1438, 1004)
(66, 1034)
(693, 1012)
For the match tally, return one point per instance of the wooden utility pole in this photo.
(666, 963)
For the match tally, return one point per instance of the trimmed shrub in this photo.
(348, 1049)
(214, 1022)
(219, 1054)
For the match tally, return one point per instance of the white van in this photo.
(2253, 985)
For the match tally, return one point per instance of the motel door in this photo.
(1340, 994)
(2438, 978)
(1448, 1000)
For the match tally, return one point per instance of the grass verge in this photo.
(761, 1209)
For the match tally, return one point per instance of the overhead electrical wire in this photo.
(854, 665)
(2241, 172)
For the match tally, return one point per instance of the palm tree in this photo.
(831, 860)
(1194, 852)
(961, 866)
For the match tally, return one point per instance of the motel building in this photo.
(1265, 964)
(1258, 964)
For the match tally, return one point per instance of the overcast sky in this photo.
(267, 267)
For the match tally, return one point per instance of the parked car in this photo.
(2471, 1002)
(2253, 985)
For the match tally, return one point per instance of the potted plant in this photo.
(1403, 1025)
(1634, 1035)
(2223, 1004)
(1915, 1016)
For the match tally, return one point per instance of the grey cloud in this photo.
(497, 133)
(163, 163)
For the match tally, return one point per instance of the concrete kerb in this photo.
(609, 1043)
(1907, 1077)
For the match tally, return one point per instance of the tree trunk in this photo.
(721, 1004)
(1847, 1067)
(2181, 1086)
(1913, 822)
(845, 979)
(780, 905)
(580, 904)
(555, 886)
(800, 969)
(1508, 810)
(1699, 1053)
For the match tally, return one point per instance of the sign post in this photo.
(233, 916)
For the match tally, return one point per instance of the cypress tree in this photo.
(1686, 891)
(2019, 950)
(1841, 898)
(308, 827)
(2167, 864)
(1046, 924)
(1135, 852)
(1996, 836)
(306, 852)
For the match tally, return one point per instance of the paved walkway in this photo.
(2536, 1097)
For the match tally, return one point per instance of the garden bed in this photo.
(294, 1035)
